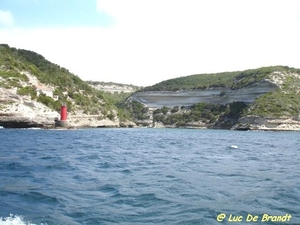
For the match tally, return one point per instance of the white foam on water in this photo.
(15, 220)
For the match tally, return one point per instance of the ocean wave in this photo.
(114, 176)
(15, 220)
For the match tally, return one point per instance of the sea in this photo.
(143, 176)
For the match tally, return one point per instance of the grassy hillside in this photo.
(78, 95)
(232, 80)
(283, 102)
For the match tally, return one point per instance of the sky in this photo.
(143, 42)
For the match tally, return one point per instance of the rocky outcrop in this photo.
(91, 121)
(21, 112)
(216, 95)
(113, 87)
(267, 124)
(79, 119)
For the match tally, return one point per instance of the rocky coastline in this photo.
(19, 120)
(21, 112)
(32, 90)
(18, 111)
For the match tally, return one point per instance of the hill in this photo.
(265, 98)
(231, 80)
(32, 84)
(32, 90)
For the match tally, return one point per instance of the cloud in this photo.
(6, 18)
(193, 36)
(154, 40)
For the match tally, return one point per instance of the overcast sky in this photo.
(143, 42)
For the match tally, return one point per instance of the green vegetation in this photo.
(48, 101)
(11, 79)
(211, 114)
(284, 102)
(138, 111)
(70, 89)
(276, 104)
(28, 90)
(232, 80)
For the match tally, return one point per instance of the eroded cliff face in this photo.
(268, 124)
(80, 119)
(288, 83)
(217, 95)
(282, 87)
(21, 112)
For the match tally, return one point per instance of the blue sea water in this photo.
(148, 176)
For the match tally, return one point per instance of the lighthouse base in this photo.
(63, 123)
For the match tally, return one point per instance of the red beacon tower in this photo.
(63, 116)
(63, 112)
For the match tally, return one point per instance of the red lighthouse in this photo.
(63, 116)
(63, 112)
